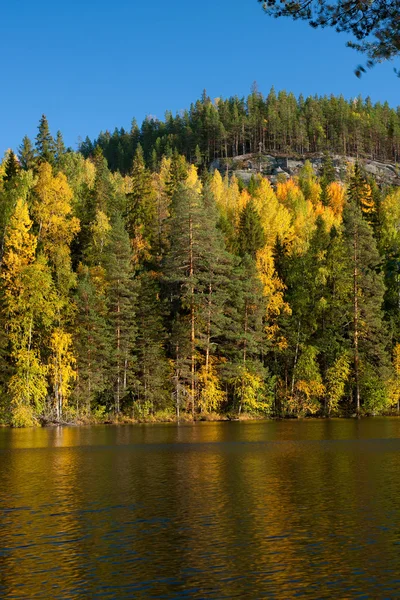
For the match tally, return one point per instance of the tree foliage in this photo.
(159, 289)
(374, 24)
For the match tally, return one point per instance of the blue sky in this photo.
(93, 65)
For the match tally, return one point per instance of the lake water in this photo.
(307, 509)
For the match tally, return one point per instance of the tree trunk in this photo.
(208, 338)
(296, 356)
(356, 332)
(118, 395)
(192, 317)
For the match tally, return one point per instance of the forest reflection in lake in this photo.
(211, 510)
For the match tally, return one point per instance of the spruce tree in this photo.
(251, 236)
(102, 194)
(92, 339)
(12, 167)
(141, 205)
(327, 176)
(26, 154)
(45, 145)
(243, 338)
(59, 147)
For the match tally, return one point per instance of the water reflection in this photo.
(215, 510)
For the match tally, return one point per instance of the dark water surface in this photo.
(307, 509)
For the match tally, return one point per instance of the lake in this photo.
(265, 509)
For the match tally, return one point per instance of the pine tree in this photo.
(368, 332)
(121, 305)
(92, 338)
(152, 391)
(243, 337)
(195, 268)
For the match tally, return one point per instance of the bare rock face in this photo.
(274, 167)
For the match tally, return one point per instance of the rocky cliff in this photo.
(246, 165)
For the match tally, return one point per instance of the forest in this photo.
(138, 283)
(279, 123)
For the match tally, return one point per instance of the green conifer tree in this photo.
(367, 332)
(26, 154)
(121, 303)
(251, 236)
(45, 145)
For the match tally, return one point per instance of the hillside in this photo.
(278, 124)
(170, 290)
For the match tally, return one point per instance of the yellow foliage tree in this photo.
(163, 202)
(390, 211)
(275, 217)
(308, 388)
(394, 383)
(100, 230)
(192, 181)
(211, 396)
(231, 197)
(217, 188)
(336, 379)
(336, 198)
(273, 291)
(61, 368)
(288, 192)
(250, 391)
(309, 184)
(52, 208)
(29, 304)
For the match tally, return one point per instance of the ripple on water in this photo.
(217, 510)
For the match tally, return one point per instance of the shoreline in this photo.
(188, 420)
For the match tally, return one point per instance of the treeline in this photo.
(161, 292)
(279, 123)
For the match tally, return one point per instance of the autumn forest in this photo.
(138, 281)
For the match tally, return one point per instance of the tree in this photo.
(364, 20)
(26, 154)
(141, 204)
(59, 146)
(244, 338)
(308, 388)
(11, 167)
(45, 145)
(52, 209)
(251, 235)
(61, 368)
(368, 332)
(152, 388)
(360, 193)
(121, 305)
(29, 306)
(92, 337)
(197, 272)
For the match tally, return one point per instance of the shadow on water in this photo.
(212, 510)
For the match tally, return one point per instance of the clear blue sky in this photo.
(93, 65)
